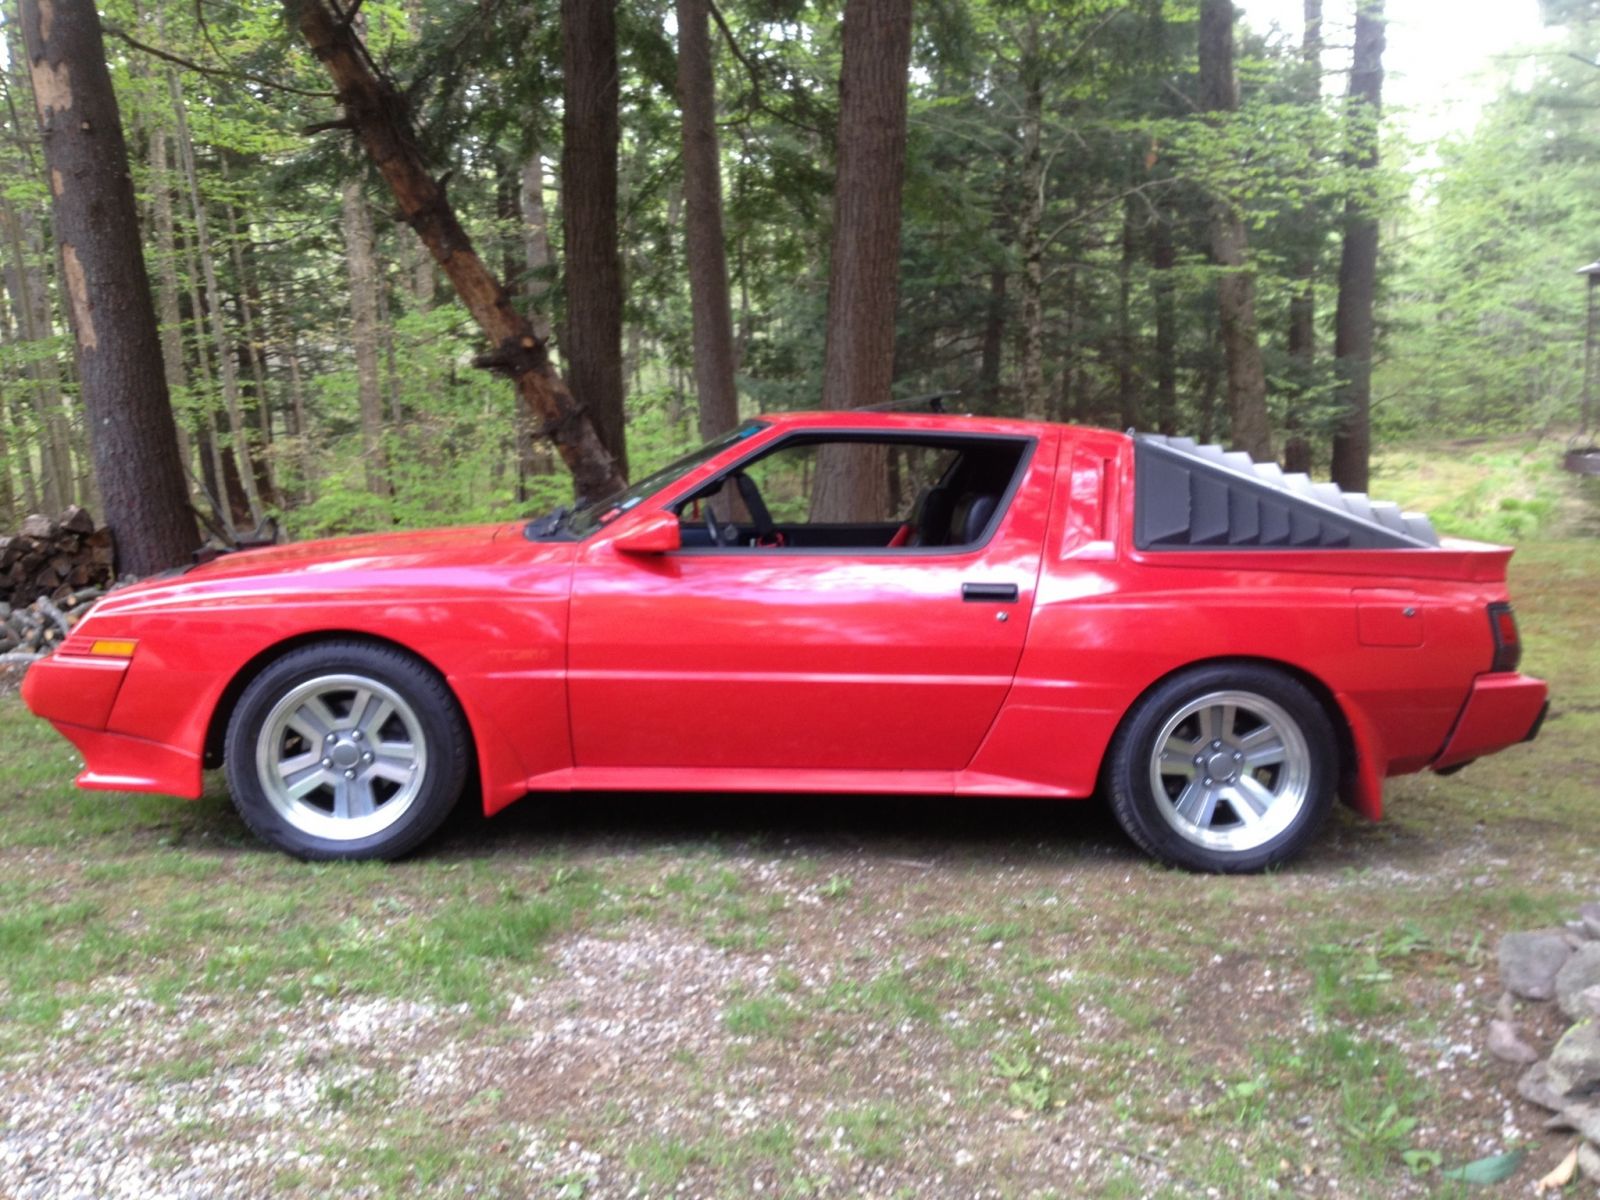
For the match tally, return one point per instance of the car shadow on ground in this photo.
(919, 827)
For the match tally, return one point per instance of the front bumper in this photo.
(76, 695)
(73, 690)
(1501, 710)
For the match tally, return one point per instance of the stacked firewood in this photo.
(35, 629)
(51, 572)
(52, 558)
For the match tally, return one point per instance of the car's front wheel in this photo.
(346, 750)
(1224, 768)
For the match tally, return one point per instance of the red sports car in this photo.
(841, 602)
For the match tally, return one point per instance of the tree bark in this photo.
(1236, 286)
(30, 299)
(1306, 225)
(1127, 376)
(358, 238)
(536, 253)
(864, 279)
(994, 338)
(1030, 231)
(378, 113)
(238, 432)
(591, 133)
(128, 411)
(29, 493)
(1358, 264)
(1163, 257)
(168, 310)
(702, 226)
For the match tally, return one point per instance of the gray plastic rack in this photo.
(1190, 496)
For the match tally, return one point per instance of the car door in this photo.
(780, 658)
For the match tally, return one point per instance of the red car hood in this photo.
(373, 551)
(452, 558)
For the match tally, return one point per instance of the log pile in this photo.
(36, 629)
(55, 558)
(51, 572)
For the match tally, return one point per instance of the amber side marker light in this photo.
(1507, 644)
(113, 648)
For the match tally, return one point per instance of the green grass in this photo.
(852, 1005)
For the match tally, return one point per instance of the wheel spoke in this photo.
(308, 725)
(375, 718)
(300, 784)
(1176, 759)
(358, 705)
(1265, 752)
(1197, 804)
(1252, 796)
(316, 712)
(1226, 719)
(290, 767)
(362, 801)
(392, 769)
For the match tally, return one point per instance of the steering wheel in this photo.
(711, 524)
(766, 532)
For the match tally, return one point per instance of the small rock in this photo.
(1506, 1045)
(1580, 973)
(1589, 914)
(1575, 1062)
(1534, 1087)
(1589, 1162)
(1585, 1118)
(1529, 962)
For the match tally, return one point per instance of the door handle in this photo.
(994, 593)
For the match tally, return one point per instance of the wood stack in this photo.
(53, 559)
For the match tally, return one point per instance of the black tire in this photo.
(369, 737)
(1195, 781)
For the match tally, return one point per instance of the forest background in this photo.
(1142, 214)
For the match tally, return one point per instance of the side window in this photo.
(817, 493)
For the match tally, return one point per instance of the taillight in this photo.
(1507, 645)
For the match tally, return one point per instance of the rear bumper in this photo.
(1501, 710)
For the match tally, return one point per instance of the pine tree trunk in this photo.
(237, 429)
(864, 279)
(378, 113)
(536, 253)
(994, 339)
(30, 300)
(1358, 264)
(8, 495)
(590, 121)
(1030, 235)
(127, 409)
(703, 239)
(1302, 333)
(1127, 378)
(1163, 258)
(23, 453)
(168, 310)
(1251, 429)
(358, 238)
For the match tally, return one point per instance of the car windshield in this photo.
(591, 517)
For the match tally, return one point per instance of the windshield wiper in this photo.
(550, 524)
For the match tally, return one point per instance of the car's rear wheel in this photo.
(346, 750)
(1224, 768)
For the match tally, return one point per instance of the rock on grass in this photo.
(1529, 962)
